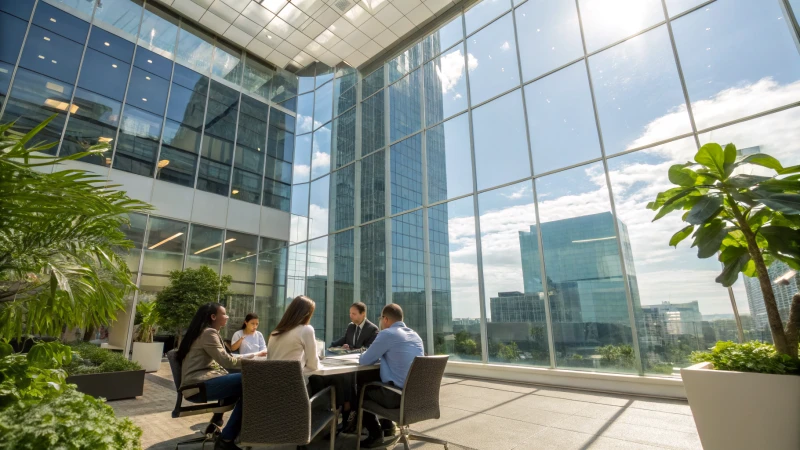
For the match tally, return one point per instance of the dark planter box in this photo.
(112, 385)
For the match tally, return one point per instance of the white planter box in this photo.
(148, 355)
(741, 410)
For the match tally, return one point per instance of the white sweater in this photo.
(297, 344)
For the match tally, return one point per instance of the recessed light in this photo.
(54, 61)
(150, 61)
(46, 38)
(52, 19)
(41, 57)
(163, 163)
(106, 44)
(235, 191)
(114, 66)
(144, 99)
(146, 78)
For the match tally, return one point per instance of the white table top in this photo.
(334, 365)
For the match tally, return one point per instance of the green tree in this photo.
(748, 220)
(188, 289)
(59, 234)
(621, 356)
(508, 352)
(465, 345)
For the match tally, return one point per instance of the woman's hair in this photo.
(200, 321)
(248, 318)
(299, 312)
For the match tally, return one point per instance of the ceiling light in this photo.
(167, 240)
(146, 78)
(54, 87)
(150, 61)
(46, 38)
(213, 246)
(108, 161)
(114, 66)
(163, 163)
(249, 255)
(235, 191)
(63, 106)
(105, 140)
(41, 57)
(144, 99)
(52, 19)
(54, 61)
(106, 44)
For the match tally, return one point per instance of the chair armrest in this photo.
(319, 394)
(389, 387)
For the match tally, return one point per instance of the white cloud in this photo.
(321, 162)
(301, 171)
(518, 194)
(318, 221)
(450, 70)
(505, 47)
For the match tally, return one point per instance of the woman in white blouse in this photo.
(293, 338)
(248, 339)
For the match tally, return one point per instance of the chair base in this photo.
(210, 434)
(407, 435)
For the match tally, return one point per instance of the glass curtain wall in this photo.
(503, 165)
(164, 95)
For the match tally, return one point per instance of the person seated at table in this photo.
(361, 332)
(395, 347)
(200, 348)
(293, 338)
(248, 339)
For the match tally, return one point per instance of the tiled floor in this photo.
(477, 415)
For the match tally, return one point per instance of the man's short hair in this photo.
(360, 306)
(393, 312)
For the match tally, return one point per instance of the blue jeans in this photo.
(228, 387)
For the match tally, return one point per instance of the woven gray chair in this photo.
(277, 409)
(195, 393)
(419, 400)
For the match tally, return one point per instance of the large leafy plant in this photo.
(748, 220)
(187, 290)
(149, 318)
(60, 232)
(34, 376)
(89, 358)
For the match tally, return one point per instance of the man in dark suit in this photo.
(361, 332)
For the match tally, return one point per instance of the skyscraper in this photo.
(783, 294)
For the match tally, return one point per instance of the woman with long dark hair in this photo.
(248, 339)
(201, 347)
(293, 338)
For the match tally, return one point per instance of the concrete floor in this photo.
(475, 415)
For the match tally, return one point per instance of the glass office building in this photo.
(490, 175)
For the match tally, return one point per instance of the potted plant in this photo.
(146, 352)
(188, 289)
(103, 373)
(746, 395)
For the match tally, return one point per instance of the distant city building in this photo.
(669, 321)
(783, 294)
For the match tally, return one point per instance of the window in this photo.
(343, 187)
(319, 207)
(406, 174)
(449, 159)
(549, 34)
(501, 148)
(454, 280)
(195, 49)
(583, 271)
(317, 283)
(94, 121)
(608, 21)
(373, 186)
(33, 99)
(445, 86)
(405, 63)
(323, 104)
(343, 280)
(372, 83)
(302, 158)
(492, 60)
(561, 120)
(408, 271)
(257, 77)
(405, 115)
(513, 291)
(321, 152)
(218, 138)
(138, 142)
(373, 268)
(638, 92)
(205, 247)
(443, 38)
(159, 31)
(119, 15)
(484, 12)
(344, 139)
(165, 245)
(227, 63)
(373, 134)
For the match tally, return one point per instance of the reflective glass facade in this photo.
(492, 177)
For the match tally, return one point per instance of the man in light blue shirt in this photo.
(396, 347)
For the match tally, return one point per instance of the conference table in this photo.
(341, 364)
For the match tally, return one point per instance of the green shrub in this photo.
(36, 375)
(68, 421)
(751, 356)
(662, 368)
(88, 358)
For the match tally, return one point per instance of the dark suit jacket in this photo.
(368, 334)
